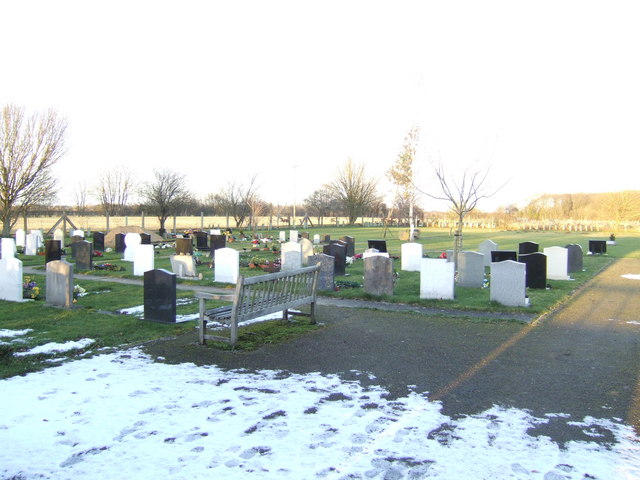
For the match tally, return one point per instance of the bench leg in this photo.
(203, 323)
(233, 331)
(312, 312)
(285, 315)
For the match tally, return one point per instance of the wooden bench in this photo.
(258, 296)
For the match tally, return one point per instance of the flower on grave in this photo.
(78, 291)
(30, 289)
(97, 253)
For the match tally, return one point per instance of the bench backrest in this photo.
(274, 292)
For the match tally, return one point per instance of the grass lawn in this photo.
(95, 315)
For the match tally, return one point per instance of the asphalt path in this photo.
(581, 360)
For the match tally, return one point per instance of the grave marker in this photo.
(326, 274)
(143, 259)
(557, 263)
(508, 283)
(535, 269)
(132, 241)
(98, 241)
(184, 246)
(411, 256)
(437, 279)
(486, 248)
(226, 265)
(525, 248)
(471, 269)
(10, 276)
(307, 250)
(59, 283)
(576, 258)
(378, 275)
(52, 250)
(503, 255)
(380, 245)
(290, 256)
(184, 266)
(337, 250)
(160, 296)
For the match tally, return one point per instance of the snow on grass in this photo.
(54, 347)
(114, 413)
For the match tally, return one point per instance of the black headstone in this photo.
(502, 255)
(184, 246)
(145, 239)
(597, 247)
(380, 245)
(160, 296)
(351, 245)
(120, 245)
(338, 250)
(98, 241)
(536, 269)
(52, 250)
(83, 253)
(201, 240)
(325, 238)
(216, 242)
(528, 247)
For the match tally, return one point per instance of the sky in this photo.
(544, 93)
(115, 412)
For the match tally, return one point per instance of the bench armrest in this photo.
(215, 296)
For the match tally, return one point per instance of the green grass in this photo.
(95, 315)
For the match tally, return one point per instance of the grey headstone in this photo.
(378, 275)
(471, 269)
(160, 296)
(307, 250)
(325, 276)
(576, 258)
(487, 247)
(508, 283)
(59, 283)
(83, 254)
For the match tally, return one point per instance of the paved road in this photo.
(582, 360)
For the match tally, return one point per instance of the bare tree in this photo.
(29, 147)
(463, 196)
(402, 174)
(354, 190)
(622, 207)
(320, 203)
(235, 200)
(81, 195)
(113, 190)
(165, 195)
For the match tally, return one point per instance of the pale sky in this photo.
(547, 92)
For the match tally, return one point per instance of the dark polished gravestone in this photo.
(160, 296)
(83, 254)
(503, 255)
(576, 258)
(120, 245)
(184, 246)
(597, 247)
(98, 241)
(337, 250)
(380, 245)
(216, 242)
(201, 239)
(351, 245)
(145, 239)
(525, 248)
(52, 250)
(536, 269)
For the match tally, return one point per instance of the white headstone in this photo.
(226, 265)
(293, 235)
(290, 256)
(21, 238)
(10, 279)
(411, 256)
(316, 239)
(471, 269)
(31, 246)
(143, 259)
(508, 283)
(183, 265)
(39, 238)
(77, 233)
(307, 250)
(132, 241)
(557, 263)
(214, 231)
(437, 279)
(58, 234)
(283, 237)
(374, 252)
(487, 247)
(8, 248)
